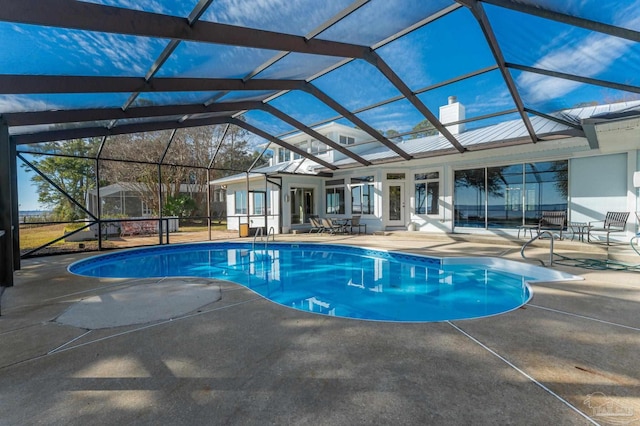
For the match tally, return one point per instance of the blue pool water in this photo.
(336, 280)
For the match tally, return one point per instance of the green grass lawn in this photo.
(32, 236)
(203, 227)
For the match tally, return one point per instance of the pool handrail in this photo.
(551, 235)
(260, 233)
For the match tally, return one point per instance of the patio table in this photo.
(526, 228)
(580, 229)
(343, 222)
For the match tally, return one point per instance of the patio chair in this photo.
(613, 222)
(355, 223)
(552, 221)
(332, 227)
(148, 227)
(316, 225)
(129, 228)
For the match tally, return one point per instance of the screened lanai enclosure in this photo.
(116, 115)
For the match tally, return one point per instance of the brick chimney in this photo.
(452, 112)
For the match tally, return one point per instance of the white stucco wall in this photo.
(597, 185)
(234, 220)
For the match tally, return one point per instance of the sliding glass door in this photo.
(470, 200)
(301, 205)
(504, 196)
(546, 186)
(509, 196)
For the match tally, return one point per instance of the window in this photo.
(395, 176)
(219, 195)
(317, 147)
(241, 202)
(258, 202)
(546, 188)
(283, 155)
(347, 140)
(504, 196)
(362, 199)
(146, 210)
(509, 196)
(334, 194)
(427, 192)
(469, 198)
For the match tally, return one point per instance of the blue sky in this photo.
(27, 195)
(449, 47)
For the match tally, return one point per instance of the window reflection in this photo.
(504, 196)
(362, 195)
(427, 192)
(509, 196)
(335, 197)
(546, 186)
(469, 198)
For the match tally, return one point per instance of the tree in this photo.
(74, 176)
(140, 173)
(475, 178)
(184, 159)
(561, 177)
(393, 135)
(181, 206)
(235, 156)
(423, 128)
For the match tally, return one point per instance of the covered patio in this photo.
(171, 97)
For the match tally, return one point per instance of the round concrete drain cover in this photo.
(145, 301)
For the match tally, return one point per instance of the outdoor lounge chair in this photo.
(332, 227)
(316, 225)
(613, 222)
(355, 223)
(552, 221)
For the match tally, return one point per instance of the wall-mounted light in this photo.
(286, 198)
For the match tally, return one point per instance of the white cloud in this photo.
(591, 57)
(411, 64)
(289, 16)
(14, 103)
(147, 5)
(490, 101)
(588, 57)
(128, 55)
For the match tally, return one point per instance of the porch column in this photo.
(15, 221)
(7, 176)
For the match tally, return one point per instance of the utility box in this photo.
(244, 230)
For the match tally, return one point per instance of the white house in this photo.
(482, 190)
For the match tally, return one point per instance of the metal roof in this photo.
(73, 69)
(298, 167)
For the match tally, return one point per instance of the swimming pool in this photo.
(343, 281)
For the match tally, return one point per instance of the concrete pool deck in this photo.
(570, 356)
